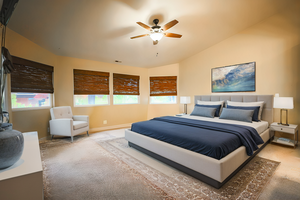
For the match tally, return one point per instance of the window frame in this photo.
(138, 96)
(34, 108)
(91, 105)
(150, 102)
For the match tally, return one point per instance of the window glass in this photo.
(163, 99)
(30, 100)
(86, 100)
(126, 99)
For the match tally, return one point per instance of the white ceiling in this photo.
(101, 29)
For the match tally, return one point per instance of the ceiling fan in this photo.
(156, 32)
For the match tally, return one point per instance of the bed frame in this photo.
(208, 170)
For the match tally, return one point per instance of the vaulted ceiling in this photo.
(101, 29)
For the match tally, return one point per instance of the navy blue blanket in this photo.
(212, 139)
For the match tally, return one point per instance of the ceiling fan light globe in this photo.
(156, 36)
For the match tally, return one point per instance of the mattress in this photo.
(259, 126)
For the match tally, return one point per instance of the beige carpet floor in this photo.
(83, 170)
(102, 166)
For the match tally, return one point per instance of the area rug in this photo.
(93, 168)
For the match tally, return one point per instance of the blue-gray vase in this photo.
(11, 147)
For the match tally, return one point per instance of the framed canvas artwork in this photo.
(234, 78)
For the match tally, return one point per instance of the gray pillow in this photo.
(237, 114)
(204, 111)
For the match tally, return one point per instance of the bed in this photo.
(215, 172)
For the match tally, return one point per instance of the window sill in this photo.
(162, 103)
(32, 108)
(91, 105)
(125, 103)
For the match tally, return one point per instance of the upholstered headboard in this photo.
(267, 113)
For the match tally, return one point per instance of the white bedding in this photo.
(259, 126)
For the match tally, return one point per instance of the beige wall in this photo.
(274, 44)
(38, 120)
(156, 110)
(31, 120)
(114, 114)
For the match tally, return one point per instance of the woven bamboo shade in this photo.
(126, 84)
(90, 82)
(163, 86)
(30, 76)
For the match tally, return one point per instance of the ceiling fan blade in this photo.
(138, 36)
(170, 24)
(174, 35)
(144, 26)
(155, 42)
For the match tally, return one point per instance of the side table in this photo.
(291, 129)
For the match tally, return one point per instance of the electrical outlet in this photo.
(48, 130)
(104, 121)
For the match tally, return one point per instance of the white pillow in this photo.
(248, 104)
(212, 103)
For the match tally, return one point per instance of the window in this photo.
(91, 88)
(31, 84)
(126, 99)
(85, 100)
(126, 89)
(163, 90)
(30, 100)
(163, 99)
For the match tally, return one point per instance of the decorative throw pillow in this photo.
(236, 114)
(218, 108)
(247, 104)
(204, 111)
(255, 108)
(212, 103)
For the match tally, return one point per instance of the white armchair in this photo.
(64, 123)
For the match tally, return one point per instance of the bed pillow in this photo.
(211, 103)
(248, 104)
(204, 111)
(237, 114)
(255, 108)
(218, 108)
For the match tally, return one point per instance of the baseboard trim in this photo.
(105, 128)
(94, 130)
(48, 137)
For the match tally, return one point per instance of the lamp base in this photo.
(286, 117)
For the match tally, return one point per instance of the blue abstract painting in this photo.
(234, 78)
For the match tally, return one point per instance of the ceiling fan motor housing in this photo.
(155, 21)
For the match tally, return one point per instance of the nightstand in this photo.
(182, 114)
(291, 129)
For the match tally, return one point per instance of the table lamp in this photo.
(284, 103)
(185, 100)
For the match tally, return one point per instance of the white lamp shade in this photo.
(185, 100)
(284, 102)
